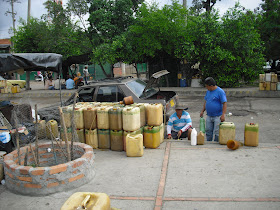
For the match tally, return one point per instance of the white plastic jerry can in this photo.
(193, 137)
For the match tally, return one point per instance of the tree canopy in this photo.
(229, 48)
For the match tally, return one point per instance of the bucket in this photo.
(90, 117)
(131, 118)
(91, 138)
(151, 136)
(52, 128)
(125, 133)
(154, 114)
(87, 200)
(232, 144)
(183, 83)
(226, 132)
(115, 118)
(116, 140)
(251, 135)
(274, 78)
(104, 141)
(134, 145)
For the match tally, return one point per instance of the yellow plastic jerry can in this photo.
(87, 200)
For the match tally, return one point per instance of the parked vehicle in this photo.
(115, 89)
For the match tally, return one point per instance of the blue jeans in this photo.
(212, 128)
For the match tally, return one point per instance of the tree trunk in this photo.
(104, 72)
(137, 72)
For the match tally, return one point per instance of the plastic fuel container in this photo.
(52, 128)
(81, 135)
(116, 140)
(154, 114)
(42, 129)
(87, 200)
(251, 135)
(134, 145)
(161, 127)
(104, 141)
(125, 133)
(151, 136)
(115, 118)
(194, 137)
(103, 118)
(69, 134)
(91, 138)
(131, 118)
(79, 118)
(90, 117)
(226, 132)
(67, 116)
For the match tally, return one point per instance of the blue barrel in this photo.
(183, 83)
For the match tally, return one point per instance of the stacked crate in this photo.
(268, 81)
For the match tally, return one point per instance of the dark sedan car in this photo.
(115, 89)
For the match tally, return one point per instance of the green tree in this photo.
(199, 5)
(269, 26)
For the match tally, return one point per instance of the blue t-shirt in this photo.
(214, 102)
(70, 84)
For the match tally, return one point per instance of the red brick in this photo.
(88, 155)
(47, 156)
(10, 175)
(58, 168)
(76, 178)
(159, 201)
(25, 179)
(43, 162)
(62, 182)
(38, 171)
(42, 152)
(38, 186)
(75, 164)
(25, 170)
(54, 184)
(74, 172)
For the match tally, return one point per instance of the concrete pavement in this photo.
(180, 176)
(177, 176)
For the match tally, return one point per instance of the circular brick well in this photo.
(51, 176)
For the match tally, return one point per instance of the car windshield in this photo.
(138, 86)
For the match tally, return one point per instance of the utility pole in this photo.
(185, 3)
(28, 72)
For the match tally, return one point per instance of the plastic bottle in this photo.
(193, 137)
(202, 125)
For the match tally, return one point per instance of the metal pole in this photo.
(28, 72)
(185, 3)
(28, 11)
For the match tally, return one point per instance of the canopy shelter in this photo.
(31, 62)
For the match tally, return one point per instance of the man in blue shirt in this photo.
(70, 84)
(215, 105)
(179, 124)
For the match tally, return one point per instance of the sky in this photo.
(38, 9)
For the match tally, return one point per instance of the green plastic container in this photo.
(202, 125)
(104, 141)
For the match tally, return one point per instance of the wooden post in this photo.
(17, 136)
(36, 142)
(65, 133)
(73, 125)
